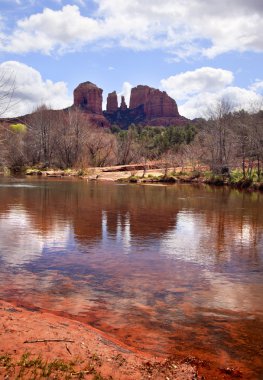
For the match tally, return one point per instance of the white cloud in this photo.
(200, 90)
(179, 27)
(257, 86)
(17, 219)
(31, 90)
(45, 32)
(239, 98)
(205, 79)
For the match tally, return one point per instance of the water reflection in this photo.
(180, 266)
(121, 233)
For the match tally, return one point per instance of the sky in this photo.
(198, 51)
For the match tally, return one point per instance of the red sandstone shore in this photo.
(95, 356)
(35, 343)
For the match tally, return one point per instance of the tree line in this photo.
(64, 139)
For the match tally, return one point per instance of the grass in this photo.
(236, 175)
(36, 368)
(235, 178)
(251, 180)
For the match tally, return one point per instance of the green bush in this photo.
(18, 128)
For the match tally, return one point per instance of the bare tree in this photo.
(125, 145)
(71, 134)
(13, 153)
(42, 125)
(257, 141)
(217, 137)
(100, 146)
(242, 127)
(193, 154)
(7, 87)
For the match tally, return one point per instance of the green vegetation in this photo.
(150, 142)
(18, 128)
(234, 179)
(31, 367)
(236, 176)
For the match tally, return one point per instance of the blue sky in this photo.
(197, 51)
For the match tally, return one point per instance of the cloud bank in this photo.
(180, 28)
(199, 90)
(31, 90)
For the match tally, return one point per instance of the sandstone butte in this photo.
(148, 106)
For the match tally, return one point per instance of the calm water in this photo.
(169, 270)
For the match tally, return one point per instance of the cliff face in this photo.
(148, 106)
(88, 97)
(156, 103)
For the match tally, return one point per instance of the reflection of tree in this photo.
(220, 233)
(229, 216)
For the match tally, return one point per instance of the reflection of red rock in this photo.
(88, 97)
(112, 102)
(156, 103)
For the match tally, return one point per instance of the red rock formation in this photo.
(112, 102)
(156, 103)
(148, 106)
(123, 104)
(88, 97)
(139, 96)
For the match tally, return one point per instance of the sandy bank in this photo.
(75, 350)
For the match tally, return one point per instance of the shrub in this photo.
(18, 128)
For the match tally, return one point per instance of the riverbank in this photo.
(194, 177)
(152, 173)
(36, 344)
